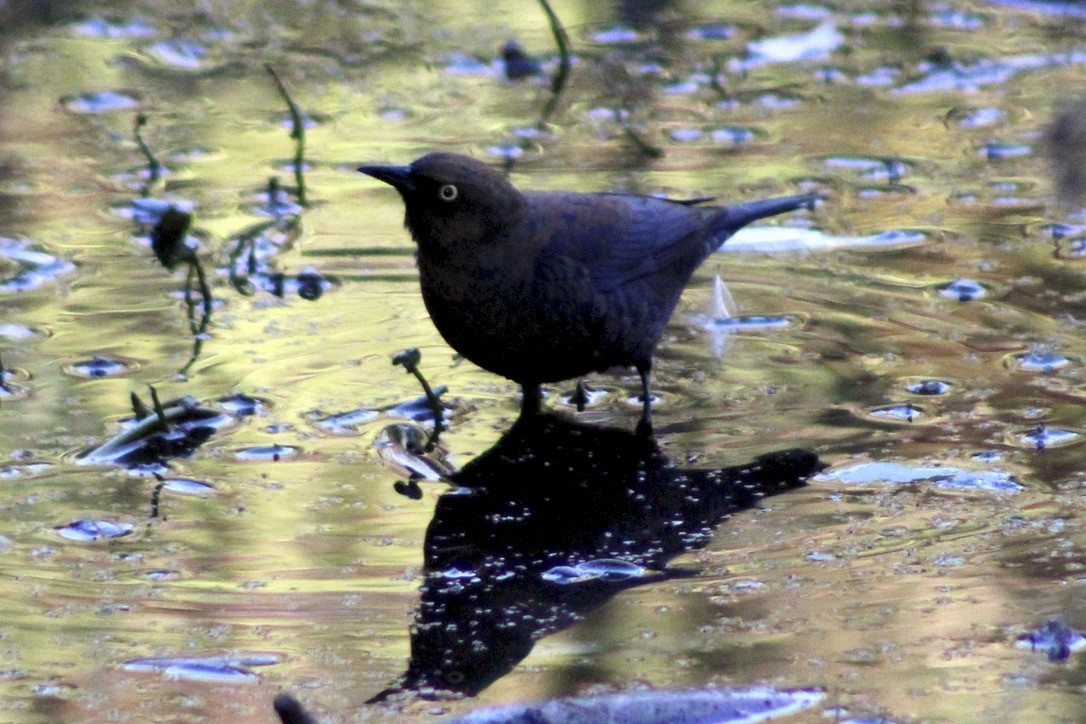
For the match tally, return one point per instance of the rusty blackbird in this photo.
(542, 286)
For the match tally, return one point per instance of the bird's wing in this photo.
(620, 238)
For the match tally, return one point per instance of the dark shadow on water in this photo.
(550, 523)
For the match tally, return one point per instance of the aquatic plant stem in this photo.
(154, 168)
(558, 83)
(297, 132)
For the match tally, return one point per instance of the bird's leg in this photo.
(644, 427)
(531, 396)
(580, 396)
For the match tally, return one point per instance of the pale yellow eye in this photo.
(448, 192)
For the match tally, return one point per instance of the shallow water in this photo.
(926, 318)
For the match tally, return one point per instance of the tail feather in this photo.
(733, 218)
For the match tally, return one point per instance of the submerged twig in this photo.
(198, 329)
(558, 83)
(205, 294)
(297, 132)
(409, 360)
(139, 409)
(160, 413)
(154, 168)
(156, 494)
(168, 244)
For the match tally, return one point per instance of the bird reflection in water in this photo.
(547, 526)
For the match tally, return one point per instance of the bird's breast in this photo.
(542, 323)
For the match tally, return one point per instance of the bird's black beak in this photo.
(399, 177)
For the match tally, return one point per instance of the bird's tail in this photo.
(733, 218)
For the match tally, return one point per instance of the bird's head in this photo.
(455, 204)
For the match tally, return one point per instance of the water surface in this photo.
(927, 317)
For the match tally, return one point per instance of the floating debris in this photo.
(940, 76)
(17, 331)
(751, 322)
(711, 32)
(685, 135)
(347, 422)
(1039, 360)
(995, 151)
(987, 456)
(722, 320)
(683, 88)
(101, 102)
(460, 64)
(23, 470)
(948, 477)
(928, 387)
(96, 27)
(417, 410)
(891, 170)
(242, 405)
(956, 20)
(88, 531)
(420, 409)
(1071, 248)
(404, 447)
(981, 118)
(10, 391)
(214, 669)
(617, 35)
(32, 267)
(183, 55)
(733, 135)
(1043, 437)
(185, 486)
(779, 239)
(722, 706)
(898, 413)
(272, 453)
(1055, 638)
(879, 78)
(100, 366)
(963, 290)
(171, 429)
(804, 47)
(506, 152)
